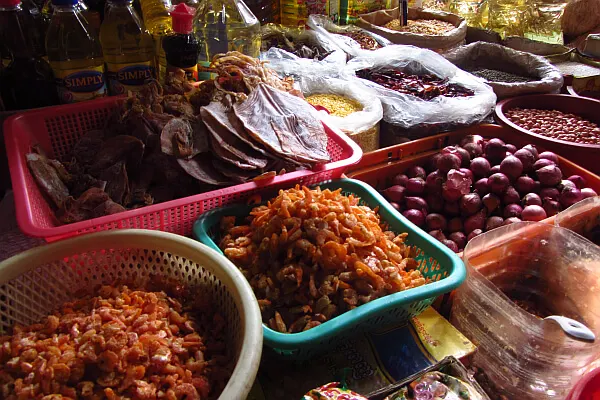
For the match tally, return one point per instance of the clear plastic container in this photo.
(582, 218)
(551, 271)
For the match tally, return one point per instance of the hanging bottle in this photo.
(127, 48)
(75, 54)
(181, 47)
(26, 79)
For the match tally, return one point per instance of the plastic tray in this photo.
(379, 167)
(57, 129)
(435, 261)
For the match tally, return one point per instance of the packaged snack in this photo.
(332, 391)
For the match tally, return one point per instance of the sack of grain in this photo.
(435, 30)
(509, 72)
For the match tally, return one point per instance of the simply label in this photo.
(124, 77)
(80, 84)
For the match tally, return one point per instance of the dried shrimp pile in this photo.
(312, 254)
(123, 343)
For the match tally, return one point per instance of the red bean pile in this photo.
(556, 125)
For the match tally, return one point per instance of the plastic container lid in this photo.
(9, 3)
(64, 2)
(182, 15)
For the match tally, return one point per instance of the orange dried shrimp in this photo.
(123, 343)
(312, 254)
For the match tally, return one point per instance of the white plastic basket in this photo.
(36, 282)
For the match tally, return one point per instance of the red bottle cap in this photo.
(183, 16)
(9, 3)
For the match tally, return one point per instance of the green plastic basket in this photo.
(436, 262)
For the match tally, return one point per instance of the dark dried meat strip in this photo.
(284, 123)
(201, 168)
(117, 182)
(119, 148)
(181, 139)
(94, 202)
(48, 179)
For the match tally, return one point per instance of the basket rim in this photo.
(24, 212)
(290, 341)
(249, 357)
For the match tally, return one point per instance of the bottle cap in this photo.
(182, 15)
(9, 3)
(64, 2)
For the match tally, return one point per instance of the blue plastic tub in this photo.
(436, 262)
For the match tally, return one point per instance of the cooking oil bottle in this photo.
(127, 47)
(26, 79)
(157, 18)
(75, 54)
(225, 25)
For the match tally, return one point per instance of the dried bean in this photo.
(366, 42)
(556, 124)
(493, 75)
(432, 27)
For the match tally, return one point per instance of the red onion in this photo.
(415, 186)
(549, 193)
(467, 173)
(416, 172)
(524, 184)
(482, 187)
(565, 183)
(476, 232)
(570, 196)
(455, 225)
(478, 139)
(491, 202)
(536, 187)
(495, 150)
(415, 216)
(448, 161)
(431, 163)
(498, 183)
(512, 210)
(548, 155)
(533, 213)
(465, 156)
(511, 148)
(495, 169)
(531, 199)
(451, 209)
(531, 148)
(474, 149)
(511, 196)
(588, 192)
(552, 207)
(511, 220)
(394, 193)
(400, 179)
(434, 182)
(451, 150)
(456, 185)
(435, 202)
(542, 162)
(578, 180)
(469, 204)
(437, 235)
(480, 167)
(476, 221)
(512, 167)
(435, 221)
(417, 203)
(493, 223)
(395, 205)
(527, 159)
(459, 238)
(450, 244)
(549, 175)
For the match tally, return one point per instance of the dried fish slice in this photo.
(48, 179)
(235, 174)
(201, 168)
(283, 123)
(181, 139)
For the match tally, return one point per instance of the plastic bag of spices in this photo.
(421, 92)
(509, 72)
(351, 106)
(429, 29)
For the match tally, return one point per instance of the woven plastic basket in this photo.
(57, 129)
(436, 262)
(34, 283)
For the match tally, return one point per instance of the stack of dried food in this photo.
(120, 343)
(171, 143)
(421, 26)
(301, 48)
(312, 254)
(426, 87)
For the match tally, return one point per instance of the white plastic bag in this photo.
(407, 111)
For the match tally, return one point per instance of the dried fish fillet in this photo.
(181, 139)
(47, 177)
(284, 123)
(201, 168)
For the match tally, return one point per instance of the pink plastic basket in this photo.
(57, 129)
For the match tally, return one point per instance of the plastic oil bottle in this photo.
(182, 47)
(127, 47)
(225, 25)
(157, 18)
(75, 54)
(26, 79)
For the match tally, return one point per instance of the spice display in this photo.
(493, 75)
(339, 106)
(480, 185)
(300, 48)
(426, 87)
(121, 343)
(421, 26)
(160, 146)
(556, 124)
(312, 254)
(366, 41)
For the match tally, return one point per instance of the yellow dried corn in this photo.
(339, 106)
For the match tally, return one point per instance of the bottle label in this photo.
(124, 77)
(191, 73)
(204, 76)
(80, 84)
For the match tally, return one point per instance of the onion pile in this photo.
(480, 185)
